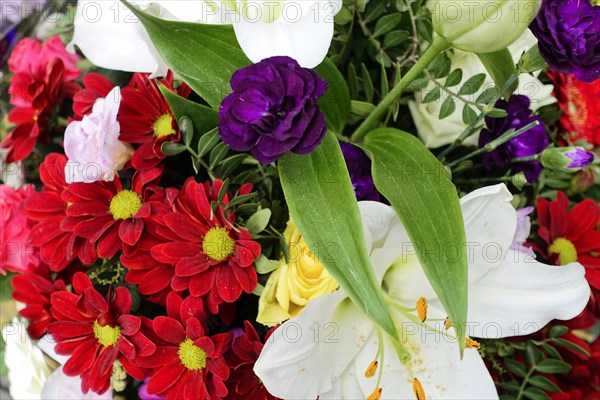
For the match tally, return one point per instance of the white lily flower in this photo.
(110, 36)
(325, 350)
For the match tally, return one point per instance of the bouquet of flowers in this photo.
(301, 199)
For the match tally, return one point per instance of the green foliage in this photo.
(321, 199)
(418, 187)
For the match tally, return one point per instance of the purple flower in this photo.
(566, 159)
(273, 109)
(580, 158)
(568, 32)
(359, 166)
(143, 392)
(527, 144)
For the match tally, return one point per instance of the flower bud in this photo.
(566, 159)
(582, 181)
(483, 26)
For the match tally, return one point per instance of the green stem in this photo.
(491, 146)
(439, 44)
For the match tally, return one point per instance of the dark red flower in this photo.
(243, 384)
(40, 83)
(110, 215)
(581, 110)
(58, 247)
(96, 331)
(147, 119)
(211, 258)
(95, 86)
(34, 290)
(189, 364)
(571, 236)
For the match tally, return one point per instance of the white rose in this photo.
(27, 369)
(435, 132)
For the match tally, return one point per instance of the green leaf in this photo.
(487, 96)
(263, 265)
(532, 61)
(418, 187)
(361, 108)
(229, 165)
(454, 78)
(207, 142)
(367, 83)
(433, 95)
(386, 24)
(335, 103)
(544, 383)
(205, 56)
(571, 345)
(258, 221)
(6, 288)
(552, 366)
(395, 38)
(515, 367)
(217, 154)
(496, 113)
(535, 394)
(172, 149)
(472, 84)
(468, 115)
(558, 331)
(448, 107)
(203, 118)
(3, 368)
(500, 66)
(186, 128)
(322, 203)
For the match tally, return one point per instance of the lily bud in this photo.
(482, 26)
(566, 159)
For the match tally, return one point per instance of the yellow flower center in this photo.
(191, 356)
(163, 126)
(125, 204)
(106, 335)
(217, 244)
(567, 253)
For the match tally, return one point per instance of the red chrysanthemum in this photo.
(34, 290)
(96, 331)
(95, 86)
(571, 236)
(243, 384)
(58, 247)
(33, 100)
(211, 258)
(110, 215)
(189, 365)
(581, 110)
(147, 119)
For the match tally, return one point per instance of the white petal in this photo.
(490, 226)
(306, 354)
(306, 39)
(62, 387)
(521, 296)
(435, 362)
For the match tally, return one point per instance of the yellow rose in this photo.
(293, 284)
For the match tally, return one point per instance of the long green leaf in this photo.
(418, 188)
(205, 56)
(335, 103)
(203, 118)
(321, 199)
(500, 66)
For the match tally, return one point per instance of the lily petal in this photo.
(435, 362)
(290, 34)
(288, 364)
(521, 296)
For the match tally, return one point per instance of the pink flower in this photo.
(15, 254)
(92, 145)
(31, 57)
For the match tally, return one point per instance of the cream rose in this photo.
(296, 282)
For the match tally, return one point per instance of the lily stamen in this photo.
(371, 369)
(422, 308)
(418, 390)
(376, 395)
(472, 344)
